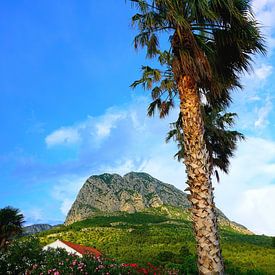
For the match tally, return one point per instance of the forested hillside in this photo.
(164, 240)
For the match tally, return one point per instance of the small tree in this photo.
(273, 242)
(11, 224)
(21, 255)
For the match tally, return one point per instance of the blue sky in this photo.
(67, 112)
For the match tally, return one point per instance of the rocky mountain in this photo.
(35, 228)
(134, 192)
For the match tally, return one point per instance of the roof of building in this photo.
(83, 249)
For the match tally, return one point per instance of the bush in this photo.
(188, 261)
(166, 256)
(25, 256)
(58, 261)
(20, 256)
(273, 242)
(184, 261)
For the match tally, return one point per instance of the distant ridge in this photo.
(35, 228)
(134, 192)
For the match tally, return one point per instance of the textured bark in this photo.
(198, 172)
(2, 243)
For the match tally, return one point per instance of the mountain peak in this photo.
(138, 175)
(134, 192)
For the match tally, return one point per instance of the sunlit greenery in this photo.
(164, 240)
(26, 256)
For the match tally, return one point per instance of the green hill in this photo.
(163, 236)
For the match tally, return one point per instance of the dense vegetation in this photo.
(164, 241)
(11, 224)
(26, 256)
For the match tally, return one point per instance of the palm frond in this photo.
(221, 141)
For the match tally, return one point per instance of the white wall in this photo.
(59, 244)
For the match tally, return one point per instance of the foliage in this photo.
(11, 222)
(221, 141)
(212, 41)
(25, 256)
(141, 238)
(20, 256)
(183, 261)
(273, 242)
(120, 220)
(58, 261)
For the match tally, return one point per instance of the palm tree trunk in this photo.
(198, 178)
(2, 242)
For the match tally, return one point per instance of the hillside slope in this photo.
(134, 192)
(164, 237)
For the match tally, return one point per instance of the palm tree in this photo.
(221, 142)
(11, 222)
(210, 43)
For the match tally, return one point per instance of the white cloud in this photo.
(66, 189)
(97, 128)
(254, 98)
(257, 77)
(66, 205)
(265, 10)
(107, 123)
(246, 187)
(254, 105)
(63, 136)
(164, 167)
(262, 115)
(264, 71)
(34, 215)
(159, 164)
(258, 205)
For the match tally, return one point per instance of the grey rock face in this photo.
(35, 228)
(133, 192)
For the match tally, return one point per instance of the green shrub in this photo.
(273, 242)
(167, 256)
(20, 256)
(25, 256)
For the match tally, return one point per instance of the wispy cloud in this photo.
(264, 71)
(256, 205)
(66, 189)
(265, 10)
(124, 133)
(96, 129)
(34, 215)
(261, 72)
(107, 122)
(254, 104)
(262, 115)
(251, 171)
(63, 136)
